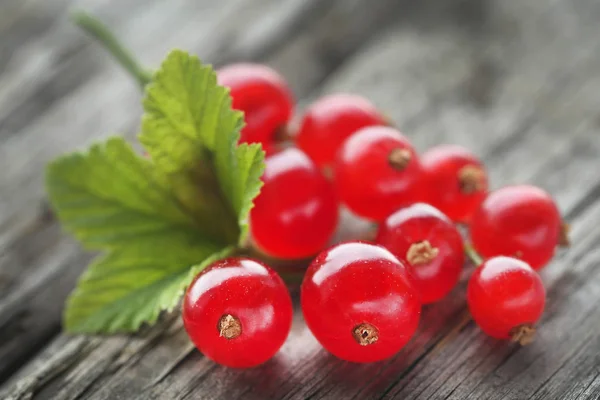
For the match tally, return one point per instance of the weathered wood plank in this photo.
(216, 32)
(425, 81)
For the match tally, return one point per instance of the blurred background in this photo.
(516, 81)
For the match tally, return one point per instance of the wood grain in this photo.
(516, 81)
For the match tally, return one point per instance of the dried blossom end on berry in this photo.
(421, 253)
(471, 179)
(229, 327)
(399, 159)
(564, 240)
(523, 334)
(365, 334)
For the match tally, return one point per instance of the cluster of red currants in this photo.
(362, 300)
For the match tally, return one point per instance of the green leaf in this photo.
(190, 130)
(239, 173)
(132, 285)
(159, 220)
(109, 197)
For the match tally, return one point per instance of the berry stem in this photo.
(95, 28)
(473, 255)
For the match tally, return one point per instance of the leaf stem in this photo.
(95, 28)
(473, 255)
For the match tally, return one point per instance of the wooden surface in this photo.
(517, 81)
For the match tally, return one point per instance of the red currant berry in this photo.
(270, 148)
(296, 212)
(238, 312)
(518, 221)
(264, 97)
(429, 243)
(330, 120)
(359, 302)
(457, 181)
(506, 297)
(377, 171)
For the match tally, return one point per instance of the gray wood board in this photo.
(516, 81)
